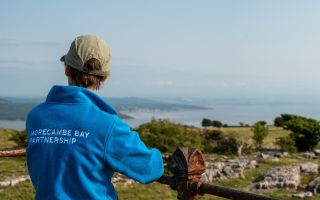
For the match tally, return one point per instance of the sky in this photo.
(177, 49)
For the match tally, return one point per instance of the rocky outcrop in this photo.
(314, 186)
(286, 176)
(310, 154)
(12, 181)
(220, 170)
(317, 152)
(279, 177)
(303, 195)
(121, 179)
(271, 155)
(309, 168)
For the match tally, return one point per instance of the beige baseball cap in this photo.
(85, 47)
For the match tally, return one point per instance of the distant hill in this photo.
(24, 99)
(3, 101)
(15, 111)
(135, 103)
(18, 108)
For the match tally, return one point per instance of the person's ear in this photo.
(67, 70)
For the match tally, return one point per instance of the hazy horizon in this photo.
(198, 101)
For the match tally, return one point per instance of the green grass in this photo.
(286, 195)
(305, 179)
(245, 134)
(22, 191)
(12, 166)
(5, 135)
(152, 191)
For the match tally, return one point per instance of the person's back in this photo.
(75, 138)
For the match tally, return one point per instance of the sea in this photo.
(228, 114)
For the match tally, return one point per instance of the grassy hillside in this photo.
(245, 134)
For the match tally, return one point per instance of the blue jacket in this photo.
(75, 143)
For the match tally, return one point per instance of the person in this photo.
(76, 141)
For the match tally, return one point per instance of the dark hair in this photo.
(83, 79)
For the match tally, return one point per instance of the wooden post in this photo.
(187, 165)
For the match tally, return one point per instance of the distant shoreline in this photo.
(231, 115)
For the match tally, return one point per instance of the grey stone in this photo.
(309, 168)
(314, 186)
(303, 195)
(309, 155)
(229, 169)
(12, 181)
(288, 177)
(317, 152)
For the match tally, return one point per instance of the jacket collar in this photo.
(75, 94)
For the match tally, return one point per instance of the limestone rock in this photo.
(308, 155)
(303, 195)
(229, 169)
(287, 176)
(309, 167)
(317, 152)
(314, 186)
(12, 181)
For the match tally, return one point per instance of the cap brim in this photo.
(62, 59)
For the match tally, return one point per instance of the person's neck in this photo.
(89, 88)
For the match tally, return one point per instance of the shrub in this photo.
(206, 122)
(305, 132)
(216, 123)
(286, 144)
(167, 136)
(210, 139)
(20, 138)
(260, 131)
(281, 120)
(264, 123)
(227, 146)
(213, 135)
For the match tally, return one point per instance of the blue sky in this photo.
(185, 49)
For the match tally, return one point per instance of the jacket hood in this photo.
(75, 94)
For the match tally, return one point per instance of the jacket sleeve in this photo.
(127, 154)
